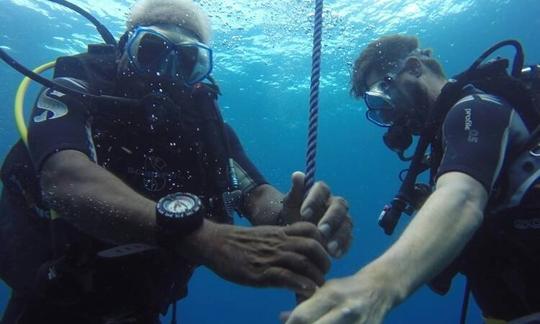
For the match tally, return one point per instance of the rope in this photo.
(314, 97)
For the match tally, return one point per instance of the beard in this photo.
(413, 101)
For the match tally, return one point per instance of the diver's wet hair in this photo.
(383, 54)
(184, 13)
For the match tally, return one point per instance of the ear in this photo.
(414, 66)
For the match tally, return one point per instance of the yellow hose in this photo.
(19, 109)
(19, 101)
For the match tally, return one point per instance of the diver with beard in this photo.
(479, 214)
(113, 203)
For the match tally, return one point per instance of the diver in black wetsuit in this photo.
(110, 207)
(481, 218)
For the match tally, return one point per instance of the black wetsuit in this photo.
(187, 155)
(481, 136)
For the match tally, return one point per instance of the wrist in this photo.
(389, 285)
(197, 245)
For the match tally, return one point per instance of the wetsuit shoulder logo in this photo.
(474, 134)
(53, 108)
(468, 119)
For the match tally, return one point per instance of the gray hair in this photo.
(184, 13)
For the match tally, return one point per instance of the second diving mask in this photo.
(381, 110)
(173, 54)
(380, 97)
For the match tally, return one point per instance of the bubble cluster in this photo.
(273, 38)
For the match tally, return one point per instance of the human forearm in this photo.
(96, 201)
(264, 205)
(435, 236)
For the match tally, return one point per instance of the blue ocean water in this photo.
(263, 53)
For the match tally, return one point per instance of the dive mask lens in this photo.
(380, 111)
(194, 62)
(147, 50)
(152, 53)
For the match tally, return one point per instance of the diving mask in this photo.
(381, 110)
(171, 53)
(379, 99)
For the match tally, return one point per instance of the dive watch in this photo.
(179, 214)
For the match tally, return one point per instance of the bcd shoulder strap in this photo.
(97, 67)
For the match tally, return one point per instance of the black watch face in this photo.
(180, 205)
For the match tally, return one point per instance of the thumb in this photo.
(295, 197)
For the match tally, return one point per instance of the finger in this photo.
(283, 278)
(341, 241)
(296, 195)
(334, 216)
(315, 203)
(309, 311)
(304, 229)
(301, 265)
(312, 249)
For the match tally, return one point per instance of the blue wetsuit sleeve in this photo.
(248, 175)
(475, 138)
(59, 122)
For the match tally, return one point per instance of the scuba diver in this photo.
(480, 213)
(128, 180)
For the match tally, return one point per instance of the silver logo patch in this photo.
(53, 108)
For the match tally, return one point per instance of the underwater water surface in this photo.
(263, 66)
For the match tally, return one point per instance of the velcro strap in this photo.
(125, 250)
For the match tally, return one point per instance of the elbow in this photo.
(471, 202)
(474, 211)
(467, 194)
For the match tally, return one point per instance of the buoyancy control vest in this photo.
(502, 259)
(523, 168)
(521, 88)
(191, 113)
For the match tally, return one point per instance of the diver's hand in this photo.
(329, 213)
(265, 256)
(364, 298)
